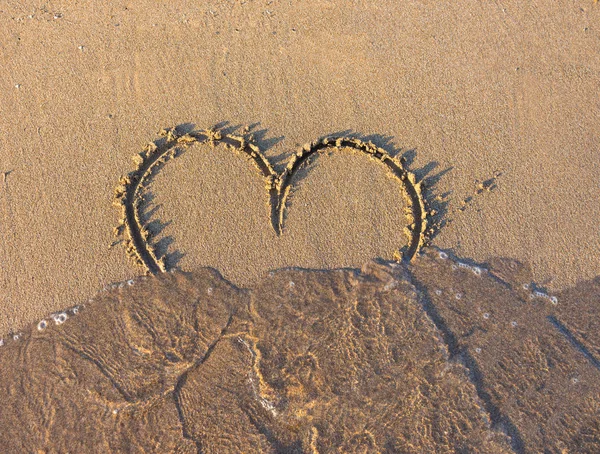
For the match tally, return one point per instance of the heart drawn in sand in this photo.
(129, 192)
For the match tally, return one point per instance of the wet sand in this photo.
(437, 356)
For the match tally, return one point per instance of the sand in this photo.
(436, 356)
(493, 108)
(462, 90)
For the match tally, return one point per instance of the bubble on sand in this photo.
(477, 270)
(526, 286)
(458, 296)
(538, 294)
(42, 325)
(1, 342)
(130, 282)
(486, 315)
(291, 284)
(209, 290)
(443, 255)
(478, 350)
(438, 292)
(59, 319)
(513, 324)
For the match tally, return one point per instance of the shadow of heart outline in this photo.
(128, 193)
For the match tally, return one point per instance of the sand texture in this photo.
(286, 144)
(436, 356)
(462, 90)
(279, 246)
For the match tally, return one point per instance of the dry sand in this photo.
(471, 87)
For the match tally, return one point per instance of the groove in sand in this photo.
(129, 192)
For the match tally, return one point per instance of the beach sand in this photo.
(437, 356)
(493, 107)
(463, 90)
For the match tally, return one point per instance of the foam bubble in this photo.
(59, 319)
(538, 294)
(443, 255)
(42, 325)
(130, 282)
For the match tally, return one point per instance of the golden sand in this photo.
(467, 125)
(461, 90)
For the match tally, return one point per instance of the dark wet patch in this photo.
(441, 355)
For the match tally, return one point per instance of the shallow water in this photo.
(438, 356)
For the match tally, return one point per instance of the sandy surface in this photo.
(436, 356)
(463, 89)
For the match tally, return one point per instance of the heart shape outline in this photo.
(129, 192)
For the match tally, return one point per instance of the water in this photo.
(385, 359)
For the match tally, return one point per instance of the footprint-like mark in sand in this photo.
(129, 194)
